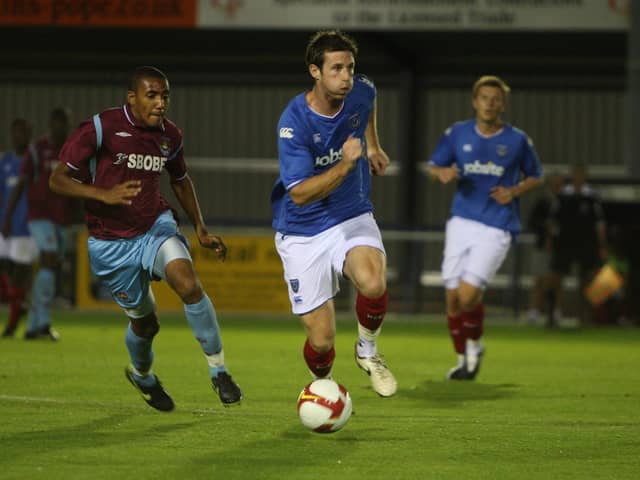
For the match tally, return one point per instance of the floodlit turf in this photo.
(546, 404)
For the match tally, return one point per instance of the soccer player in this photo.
(134, 237)
(327, 147)
(494, 164)
(48, 214)
(17, 247)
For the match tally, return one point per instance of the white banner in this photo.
(417, 15)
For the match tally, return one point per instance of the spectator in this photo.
(578, 238)
(540, 258)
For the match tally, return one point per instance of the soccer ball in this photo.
(324, 406)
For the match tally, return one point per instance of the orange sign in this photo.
(250, 280)
(100, 13)
(606, 282)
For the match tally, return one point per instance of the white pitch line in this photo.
(92, 403)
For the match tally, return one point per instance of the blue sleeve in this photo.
(531, 166)
(294, 156)
(444, 154)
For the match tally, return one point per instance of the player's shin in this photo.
(16, 296)
(141, 355)
(319, 363)
(44, 288)
(456, 332)
(204, 325)
(473, 322)
(370, 312)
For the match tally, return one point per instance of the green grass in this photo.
(547, 405)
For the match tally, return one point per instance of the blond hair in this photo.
(491, 81)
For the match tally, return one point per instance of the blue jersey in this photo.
(10, 165)
(486, 162)
(309, 144)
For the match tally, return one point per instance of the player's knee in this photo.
(145, 327)
(373, 286)
(322, 343)
(49, 260)
(468, 302)
(189, 290)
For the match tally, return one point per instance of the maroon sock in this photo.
(457, 334)
(371, 311)
(473, 322)
(16, 299)
(319, 363)
(4, 288)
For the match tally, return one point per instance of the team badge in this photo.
(123, 296)
(354, 120)
(165, 146)
(295, 284)
(317, 138)
(501, 150)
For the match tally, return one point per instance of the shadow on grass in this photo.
(451, 394)
(106, 431)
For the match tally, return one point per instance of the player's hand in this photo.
(603, 252)
(123, 193)
(502, 195)
(214, 242)
(6, 227)
(378, 162)
(447, 174)
(351, 151)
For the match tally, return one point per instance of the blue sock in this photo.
(32, 320)
(204, 325)
(44, 289)
(141, 354)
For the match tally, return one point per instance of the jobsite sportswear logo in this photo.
(333, 157)
(489, 168)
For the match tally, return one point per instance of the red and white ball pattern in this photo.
(324, 406)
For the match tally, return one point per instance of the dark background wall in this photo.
(229, 88)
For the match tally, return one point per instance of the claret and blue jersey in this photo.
(501, 159)
(310, 143)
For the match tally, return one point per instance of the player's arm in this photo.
(442, 165)
(601, 230)
(317, 187)
(531, 170)
(62, 182)
(443, 174)
(504, 195)
(378, 158)
(76, 151)
(185, 193)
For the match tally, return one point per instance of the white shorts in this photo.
(313, 265)
(4, 247)
(473, 252)
(18, 249)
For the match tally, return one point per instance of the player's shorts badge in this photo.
(295, 285)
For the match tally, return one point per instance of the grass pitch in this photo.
(546, 405)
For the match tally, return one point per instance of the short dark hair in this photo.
(61, 114)
(145, 71)
(20, 122)
(328, 41)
